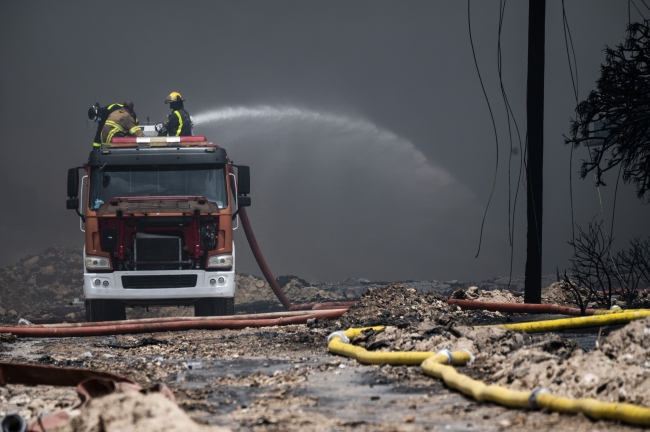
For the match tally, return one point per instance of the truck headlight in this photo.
(220, 261)
(95, 262)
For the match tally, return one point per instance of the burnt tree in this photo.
(614, 120)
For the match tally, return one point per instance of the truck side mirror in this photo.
(243, 180)
(72, 203)
(73, 183)
(244, 201)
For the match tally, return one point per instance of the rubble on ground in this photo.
(496, 296)
(132, 412)
(560, 294)
(43, 285)
(617, 370)
(397, 305)
(29, 401)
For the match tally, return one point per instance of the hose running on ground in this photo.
(117, 328)
(438, 365)
(604, 319)
(519, 307)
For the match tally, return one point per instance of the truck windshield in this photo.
(207, 180)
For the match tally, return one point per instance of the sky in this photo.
(369, 139)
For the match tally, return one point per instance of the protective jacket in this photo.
(104, 112)
(120, 123)
(179, 123)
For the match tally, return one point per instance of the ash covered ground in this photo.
(283, 378)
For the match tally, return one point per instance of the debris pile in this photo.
(43, 285)
(559, 293)
(251, 289)
(496, 296)
(397, 305)
(618, 370)
(134, 411)
(29, 401)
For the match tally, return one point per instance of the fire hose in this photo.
(439, 365)
(268, 315)
(126, 327)
(519, 307)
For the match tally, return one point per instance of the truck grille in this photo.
(157, 252)
(159, 281)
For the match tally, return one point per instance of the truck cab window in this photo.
(206, 180)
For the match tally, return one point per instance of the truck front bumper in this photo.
(110, 285)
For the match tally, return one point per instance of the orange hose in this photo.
(210, 324)
(519, 307)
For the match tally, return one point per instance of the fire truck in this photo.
(158, 215)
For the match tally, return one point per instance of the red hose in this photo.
(174, 319)
(320, 306)
(519, 307)
(209, 324)
(261, 262)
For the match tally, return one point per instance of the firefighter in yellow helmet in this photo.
(178, 122)
(121, 123)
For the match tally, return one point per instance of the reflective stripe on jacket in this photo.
(179, 123)
(119, 123)
(104, 112)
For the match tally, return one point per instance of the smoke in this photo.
(335, 196)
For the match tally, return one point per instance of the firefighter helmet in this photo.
(93, 112)
(174, 97)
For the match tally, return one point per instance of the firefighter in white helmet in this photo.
(178, 122)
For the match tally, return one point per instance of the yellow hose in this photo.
(624, 412)
(434, 367)
(611, 318)
(437, 365)
(338, 345)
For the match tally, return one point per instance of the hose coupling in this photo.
(340, 334)
(532, 399)
(446, 352)
(14, 423)
(471, 357)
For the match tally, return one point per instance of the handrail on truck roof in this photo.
(182, 141)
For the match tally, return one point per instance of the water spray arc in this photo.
(348, 165)
(347, 125)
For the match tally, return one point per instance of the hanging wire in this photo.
(637, 9)
(611, 230)
(496, 137)
(574, 83)
(567, 30)
(645, 4)
(509, 114)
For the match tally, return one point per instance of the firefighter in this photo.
(121, 123)
(100, 114)
(178, 122)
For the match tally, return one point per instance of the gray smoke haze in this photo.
(364, 124)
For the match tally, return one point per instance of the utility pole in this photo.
(535, 153)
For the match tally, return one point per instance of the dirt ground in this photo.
(283, 378)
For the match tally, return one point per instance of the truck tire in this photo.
(105, 310)
(214, 307)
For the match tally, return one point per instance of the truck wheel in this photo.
(105, 310)
(214, 307)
